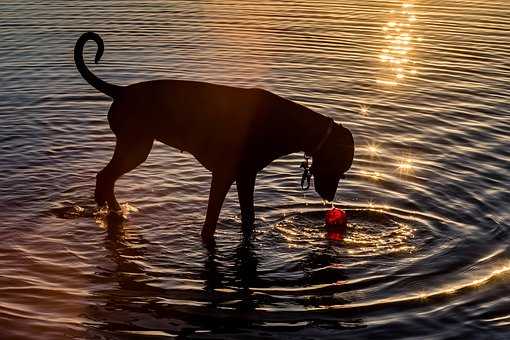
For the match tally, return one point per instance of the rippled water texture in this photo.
(424, 87)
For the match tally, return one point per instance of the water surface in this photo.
(422, 85)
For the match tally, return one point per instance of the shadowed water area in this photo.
(423, 86)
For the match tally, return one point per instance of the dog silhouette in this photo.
(233, 132)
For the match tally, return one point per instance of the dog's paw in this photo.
(116, 216)
(100, 198)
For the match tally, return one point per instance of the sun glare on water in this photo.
(397, 61)
(396, 56)
(405, 166)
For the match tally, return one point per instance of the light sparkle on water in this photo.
(405, 165)
(399, 37)
(374, 150)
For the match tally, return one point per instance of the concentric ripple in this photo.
(371, 232)
(422, 85)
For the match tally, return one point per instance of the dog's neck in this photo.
(314, 132)
(297, 129)
(324, 137)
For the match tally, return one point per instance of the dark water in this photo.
(424, 87)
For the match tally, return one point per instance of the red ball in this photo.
(336, 217)
(335, 235)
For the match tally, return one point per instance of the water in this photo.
(422, 85)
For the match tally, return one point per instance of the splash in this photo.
(371, 231)
(77, 211)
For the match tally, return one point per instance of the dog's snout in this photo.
(327, 194)
(330, 197)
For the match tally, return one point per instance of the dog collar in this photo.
(323, 139)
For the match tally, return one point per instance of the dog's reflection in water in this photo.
(115, 227)
(134, 296)
(243, 275)
(136, 299)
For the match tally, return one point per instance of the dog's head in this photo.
(332, 160)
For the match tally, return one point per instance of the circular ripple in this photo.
(323, 273)
(369, 233)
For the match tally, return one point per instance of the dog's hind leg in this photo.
(245, 186)
(220, 185)
(129, 153)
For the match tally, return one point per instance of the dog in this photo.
(233, 132)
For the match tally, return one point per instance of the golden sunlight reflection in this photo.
(373, 149)
(496, 273)
(396, 56)
(374, 175)
(381, 208)
(363, 239)
(103, 215)
(474, 283)
(405, 165)
(372, 231)
(364, 110)
(370, 204)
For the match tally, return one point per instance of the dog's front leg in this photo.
(220, 185)
(245, 183)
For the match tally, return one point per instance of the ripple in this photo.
(423, 87)
(370, 232)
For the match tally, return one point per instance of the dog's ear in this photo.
(345, 147)
(332, 161)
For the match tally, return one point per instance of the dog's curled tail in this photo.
(108, 89)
